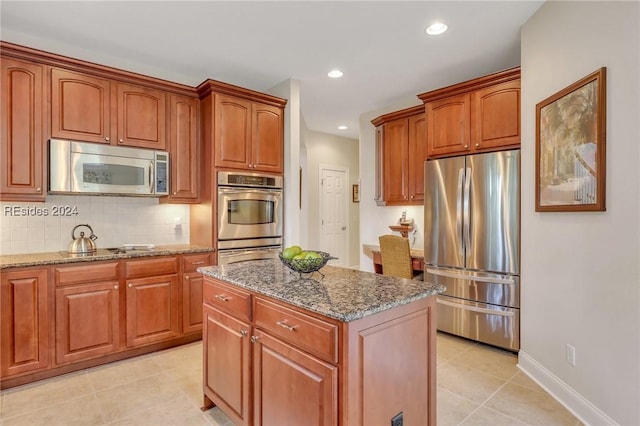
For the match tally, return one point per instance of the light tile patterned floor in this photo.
(477, 385)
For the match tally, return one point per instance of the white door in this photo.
(334, 199)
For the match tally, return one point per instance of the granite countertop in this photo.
(58, 257)
(343, 294)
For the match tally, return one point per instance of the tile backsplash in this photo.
(45, 227)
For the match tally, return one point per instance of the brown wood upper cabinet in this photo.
(94, 109)
(183, 148)
(248, 134)
(401, 152)
(22, 120)
(475, 116)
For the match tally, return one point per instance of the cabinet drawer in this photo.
(229, 299)
(191, 262)
(86, 273)
(315, 336)
(151, 267)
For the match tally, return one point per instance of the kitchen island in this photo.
(348, 348)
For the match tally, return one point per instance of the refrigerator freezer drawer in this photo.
(494, 289)
(494, 325)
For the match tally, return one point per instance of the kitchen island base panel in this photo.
(390, 361)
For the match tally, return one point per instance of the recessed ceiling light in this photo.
(436, 28)
(335, 74)
(342, 127)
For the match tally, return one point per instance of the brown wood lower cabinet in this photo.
(24, 316)
(292, 387)
(87, 311)
(226, 375)
(87, 321)
(269, 363)
(62, 318)
(192, 291)
(152, 300)
(191, 302)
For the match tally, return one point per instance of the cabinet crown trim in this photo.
(403, 113)
(60, 61)
(471, 85)
(210, 86)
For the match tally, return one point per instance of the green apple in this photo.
(312, 255)
(291, 252)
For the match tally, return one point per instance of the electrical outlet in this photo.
(571, 354)
(397, 419)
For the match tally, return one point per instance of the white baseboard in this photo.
(584, 410)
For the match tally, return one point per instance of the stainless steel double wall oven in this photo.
(250, 212)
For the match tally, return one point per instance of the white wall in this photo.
(580, 271)
(323, 148)
(115, 220)
(290, 90)
(375, 220)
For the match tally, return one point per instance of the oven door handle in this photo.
(235, 253)
(250, 191)
(476, 308)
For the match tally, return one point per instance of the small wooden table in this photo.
(417, 258)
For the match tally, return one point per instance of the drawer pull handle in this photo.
(198, 263)
(284, 324)
(254, 339)
(221, 297)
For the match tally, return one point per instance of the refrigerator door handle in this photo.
(476, 309)
(487, 279)
(459, 212)
(467, 213)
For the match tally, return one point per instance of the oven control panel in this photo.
(249, 179)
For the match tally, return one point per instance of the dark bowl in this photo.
(307, 266)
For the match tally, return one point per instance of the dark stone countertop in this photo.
(343, 294)
(60, 257)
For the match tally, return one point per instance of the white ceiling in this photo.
(379, 45)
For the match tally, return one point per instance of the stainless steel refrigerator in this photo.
(472, 244)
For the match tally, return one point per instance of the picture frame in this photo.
(355, 193)
(571, 147)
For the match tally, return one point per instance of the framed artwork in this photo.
(355, 193)
(570, 147)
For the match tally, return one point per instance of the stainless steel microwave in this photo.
(92, 168)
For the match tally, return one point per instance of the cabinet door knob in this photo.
(466, 146)
(121, 141)
(115, 287)
(254, 339)
(106, 138)
(38, 189)
(243, 333)
(477, 145)
(174, 192)
(130, 285)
